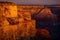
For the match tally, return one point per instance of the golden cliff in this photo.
(15, 22)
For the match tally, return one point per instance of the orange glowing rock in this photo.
(16, 22)
(21, 20)
(3, 22)
(8, 9)
(31, 28)
(28, 29)
(10, 31)
(20, 17)
(26, 15)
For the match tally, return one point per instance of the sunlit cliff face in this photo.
(29, 24)
(15, 24)
(7, 10)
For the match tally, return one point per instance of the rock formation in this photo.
(15, 22)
